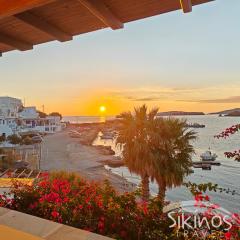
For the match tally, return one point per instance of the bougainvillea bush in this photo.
(227, 133)
(69, 199)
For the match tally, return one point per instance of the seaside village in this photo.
(21, 133)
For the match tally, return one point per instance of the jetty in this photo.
(206, 165)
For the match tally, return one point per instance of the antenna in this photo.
(43, 108)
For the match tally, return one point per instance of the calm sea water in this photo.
(86, 119)
(227, 175)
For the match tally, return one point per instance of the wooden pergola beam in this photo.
(44, 26)
(15, 43)
(186, 5)
(102, 12)
(12, 7)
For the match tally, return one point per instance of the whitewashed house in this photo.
(32, 122)
(28, 113)
(16, 119)
(5, 130)
(9, 108)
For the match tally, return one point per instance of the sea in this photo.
(227, 175)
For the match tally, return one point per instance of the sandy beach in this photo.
(62, 152)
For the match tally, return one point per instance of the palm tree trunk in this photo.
(145, 187)
(162, 192)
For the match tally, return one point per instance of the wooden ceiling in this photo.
(25, 23)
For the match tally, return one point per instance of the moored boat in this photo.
(195, 125)
(208, 156)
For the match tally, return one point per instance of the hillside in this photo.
(179, 113)
(229, 111)
(233, 114)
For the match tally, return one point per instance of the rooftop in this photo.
(25, 23)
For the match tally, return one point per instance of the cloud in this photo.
(233, 99)
(187, 95)
(146, 99)
(151, 94)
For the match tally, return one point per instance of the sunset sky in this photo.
(174, 61)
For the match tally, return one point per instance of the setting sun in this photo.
(102, 109)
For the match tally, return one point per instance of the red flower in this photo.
(33, 205)
(227, 235)
(101, 225)
(145, 209)
(207, 198)
(55, 214)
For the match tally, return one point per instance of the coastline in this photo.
(60, 151)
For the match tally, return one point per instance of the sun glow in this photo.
(102, 109)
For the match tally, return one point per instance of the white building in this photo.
(28, 113)
(9, 107)
(50, 124)
(5, 130)
(14, 119)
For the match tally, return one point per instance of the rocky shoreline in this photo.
(86, 133)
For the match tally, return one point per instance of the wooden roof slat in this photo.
(101, 11)
(13, 42)
(186, 5)
(12, 7)
(44, 26)
(61, 19)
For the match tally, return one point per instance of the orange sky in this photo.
(167, 99)
(155, 61)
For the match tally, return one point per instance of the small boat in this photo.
(200, 163)
(108, 135)
(208, 156)
(195, 125)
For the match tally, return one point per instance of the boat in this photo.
(195, 125)
(208, 156)
(206, 167)
(108, 135)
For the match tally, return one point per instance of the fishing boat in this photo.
(208, 156)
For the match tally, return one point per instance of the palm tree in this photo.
(172, 153)
(155, 148)
(134, 138)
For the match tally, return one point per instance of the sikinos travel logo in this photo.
(202, 219)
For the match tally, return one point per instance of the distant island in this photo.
(179, 113)
(235, 112)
